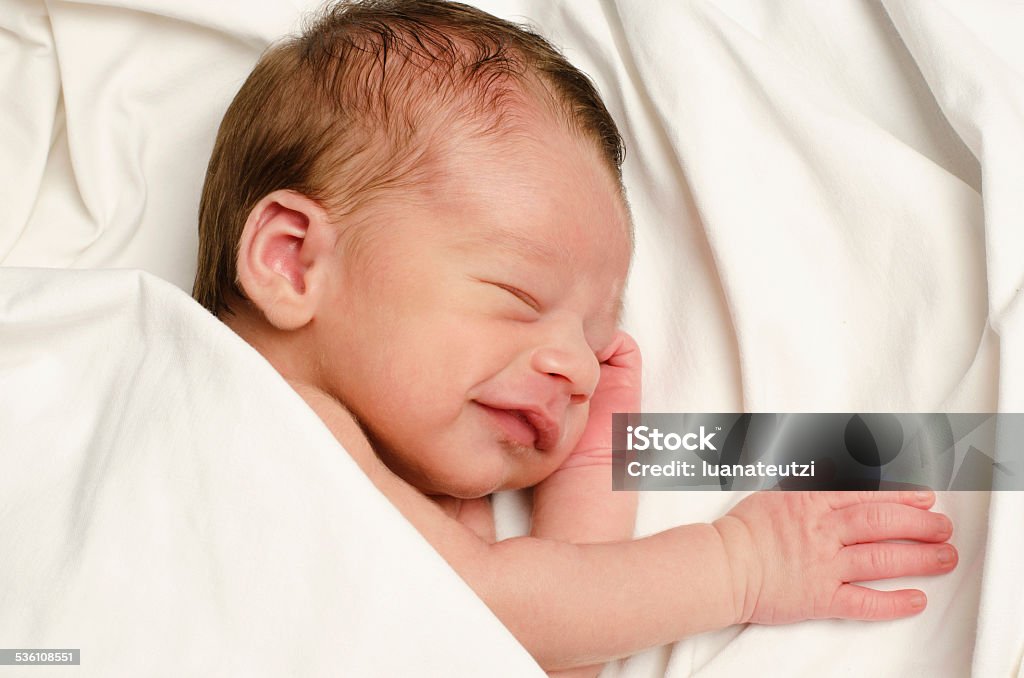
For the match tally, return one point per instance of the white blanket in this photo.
(827, 202)
(172, 508)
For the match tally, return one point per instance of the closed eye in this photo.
(520, 295)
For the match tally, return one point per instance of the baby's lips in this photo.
(548, 431)
(546, 426)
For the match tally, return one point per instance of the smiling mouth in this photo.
(523, 427)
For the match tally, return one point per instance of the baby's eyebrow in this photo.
(519, 245)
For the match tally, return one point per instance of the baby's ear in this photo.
(282, 256)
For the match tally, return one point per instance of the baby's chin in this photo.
(465, 481)
(459, 488)
(472, 483)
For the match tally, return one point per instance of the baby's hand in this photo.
(576, 503)
(797, 552)
(618, 390)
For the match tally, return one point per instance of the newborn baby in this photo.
(415, 212)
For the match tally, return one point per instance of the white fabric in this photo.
(172, 508)
(973, 60)
(828, 207)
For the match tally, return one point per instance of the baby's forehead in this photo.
(537, 155)
(533, 192)
(546, 199)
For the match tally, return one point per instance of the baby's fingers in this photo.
(623, 352)
(876, 522)
(842, 499)
(866, 562)
(858, 602)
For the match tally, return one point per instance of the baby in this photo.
(415, 212)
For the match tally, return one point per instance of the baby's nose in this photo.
(574, 364)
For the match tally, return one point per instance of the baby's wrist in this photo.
(742, 566)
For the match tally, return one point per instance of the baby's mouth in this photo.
(524, 426)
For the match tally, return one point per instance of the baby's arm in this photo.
(777, 557)
(576, 503)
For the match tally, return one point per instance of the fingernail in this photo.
(922, 495)
(946, 556)
(917, 601)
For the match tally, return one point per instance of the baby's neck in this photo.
(287, 351)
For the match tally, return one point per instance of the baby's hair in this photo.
(354, 106)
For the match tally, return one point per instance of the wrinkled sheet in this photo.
(827, 203)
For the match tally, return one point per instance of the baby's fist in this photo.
(618, 390)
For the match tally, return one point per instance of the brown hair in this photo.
(350, 108)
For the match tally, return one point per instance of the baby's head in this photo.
(416, 208)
